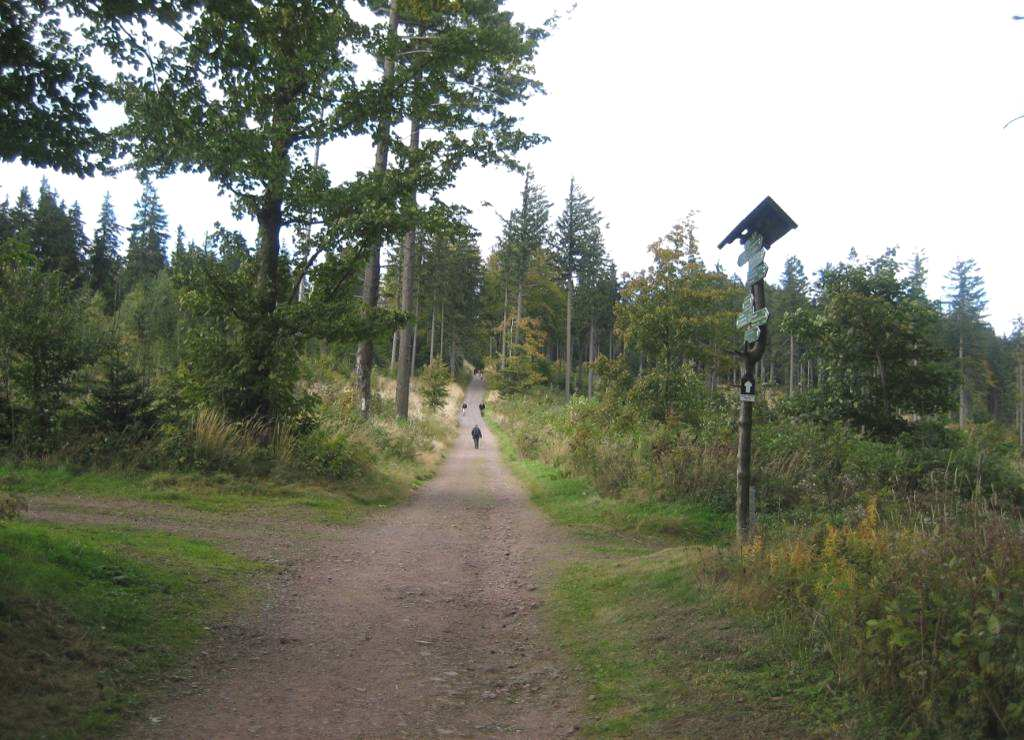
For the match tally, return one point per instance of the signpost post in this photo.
(765, 225)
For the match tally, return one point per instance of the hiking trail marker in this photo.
(762, 227)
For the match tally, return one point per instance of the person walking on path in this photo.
(464, 407)
(481, 410)
(477, 434)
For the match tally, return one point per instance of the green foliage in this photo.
(147, 241)
(433, 384)
(677, 311)
(120, 402)
(237, 357)
(43, 344)
(525, 369)
(919, 610)
(868, 379)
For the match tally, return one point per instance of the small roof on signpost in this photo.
(768, 220)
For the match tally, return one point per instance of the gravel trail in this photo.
(423, 621)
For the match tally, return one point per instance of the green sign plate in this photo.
(756, 273)
(752, 318)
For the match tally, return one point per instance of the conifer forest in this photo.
(238, 489)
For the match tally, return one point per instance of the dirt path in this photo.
(424, 621)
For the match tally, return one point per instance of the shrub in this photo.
(120, 401)
(433, 384)
(924, 612)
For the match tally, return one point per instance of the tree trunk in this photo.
(963, 386)
(519, 316)
(591, 356)
(269, 217)
(433, 317)
(792, 363)
(415, 337)
(408, 283)
(440, 341)
(371, 277)
(568, 341)
(504, 327)
(394, 350)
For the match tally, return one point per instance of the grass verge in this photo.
(91, 617)
(662, 652)
(574, 503)
(220, 493)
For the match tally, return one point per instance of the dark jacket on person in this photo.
(477, 434)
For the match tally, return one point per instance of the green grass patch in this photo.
(661, 660)
(220, 493)
(575, 503)
(91, 617)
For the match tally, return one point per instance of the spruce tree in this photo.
(966, 302)
(577, 233)
(103, 258)
(120, 401)
(53, 238)
(147, 240)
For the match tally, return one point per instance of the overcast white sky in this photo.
(873, 124)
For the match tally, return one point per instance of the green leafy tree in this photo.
(246, 94)
(677, 311)
(880, 346)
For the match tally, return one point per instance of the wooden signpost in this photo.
(765, 225)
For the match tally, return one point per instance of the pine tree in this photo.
(966, 302)
(147, 240)
(103, 258)
(577, 234)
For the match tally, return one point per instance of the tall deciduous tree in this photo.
(867, 323)
(246, 95)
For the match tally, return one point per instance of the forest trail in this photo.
(424, 621)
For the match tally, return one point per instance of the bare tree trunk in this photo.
(792, 361)
(433, 316)
(440, 341)
(963, 386)
(568, 341)
(408, 282)
(504, 327)
(519, 315)
(415, 336)
(371, 277)
(590, 361)
(394, 351)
